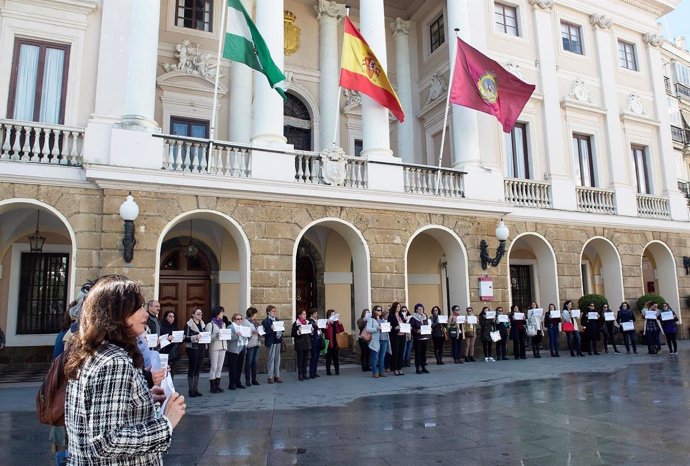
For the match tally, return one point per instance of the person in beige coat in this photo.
(216, 349)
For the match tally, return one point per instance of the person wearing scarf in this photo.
(236, 348)
(420, 341)
(216, 349)
(302, 342)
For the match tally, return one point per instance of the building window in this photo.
(189, 127)
(584, 160)
(38, 84)
(195, 14)
(626, 55)
(297, 129)
(640, 158)
(571, 36)
(516, 152)
(506, 19)
(437, 33)
(359, 147)
(42, 292)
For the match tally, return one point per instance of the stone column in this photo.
(268, 105)
(677, 203)
(401, 35)
(328, 13)
(375, 125)
(618, 154)
(562, 184)
(241, 93)
(140, 98)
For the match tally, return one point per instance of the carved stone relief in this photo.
(634, 104)
(437, 88)
(579, 92)
(543, 4)
(653, 40)
(192, 62)
(600, 21)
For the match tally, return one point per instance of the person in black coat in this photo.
(168, 326)
(592, 329)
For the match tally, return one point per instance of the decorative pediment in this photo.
(192, 61)
(182, 81)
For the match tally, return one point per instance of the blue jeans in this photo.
(251, 360)
(576, 337)
(407, 352)
(378, 358)
(553, 339)
(456, 348)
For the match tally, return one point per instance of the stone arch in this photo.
(456, 263)
(611, 267)
(544, 264)
(666, 273)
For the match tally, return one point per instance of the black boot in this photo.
(190, 384)
(218, 389)
(196, 386)
(212, 384)
(255, 382)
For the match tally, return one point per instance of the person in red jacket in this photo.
(333, 328)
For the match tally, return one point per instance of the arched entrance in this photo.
(298, 127)
(436, 269)
(532, 271)
(659, 274)
(601, 270)
(332, 256)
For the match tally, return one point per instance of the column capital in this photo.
(543, 4)
(600, 21)
(400, 26)
(330, 9)
(652, 40)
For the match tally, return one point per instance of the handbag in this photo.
(365, 335)
(445, 334)
(325, 342)
(495, 336)
(568, 327)
(50, 399)
(342, 339)
(453, 332)
(532, 330)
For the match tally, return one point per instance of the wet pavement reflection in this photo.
(636, 415)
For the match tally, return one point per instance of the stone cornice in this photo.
(543, 4)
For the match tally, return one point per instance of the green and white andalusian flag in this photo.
(244, 44)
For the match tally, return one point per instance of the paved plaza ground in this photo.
(608, 409)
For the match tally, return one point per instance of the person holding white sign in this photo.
(195, 351)
(518, 332)
(168, 326)
(590, 322)
(396, 338)
(407, 351)
(535, 326)
(237, 347)
(487, 325)
(252, 354)
(553, 320)
(438, 333)
(609, 329)
(503, 327)
(470, 329)
(273, 340)
(571, 329)
(668, 325)
(626, 320)
(455, 334)
(375, 342)
(216, 349)
(419, 340)
(652, 328)
(316, 343)
(333, 328)
(302, 343)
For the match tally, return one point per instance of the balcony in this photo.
(527, 193)
(33, 142)
(432, 181)
(683, 91)
(310, 168)
(595, 200)
(652, 206)
(194, 155)
(679, 135)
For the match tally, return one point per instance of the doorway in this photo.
(521, 286)
(185, 284)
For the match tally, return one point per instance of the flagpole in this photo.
(337, 104)
(445, 116)
(215, 86)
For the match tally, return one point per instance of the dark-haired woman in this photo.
(302, 342)
(571, 329)
(168, 326)
(364, 351)
(407, 350)
(518, 332)
(397, 339)
(333, 329)
(252, 356)
(670, 328)
(316, 339)
(109, 411)
(195, 351)
(419, 339)
(625, 315)
(438, 334)
(216, 349)
(486, 326)
(609, 330)
(553, 323)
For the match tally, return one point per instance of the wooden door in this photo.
(185, 284)
(305, 286)
(521, 286)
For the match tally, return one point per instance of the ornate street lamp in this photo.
(36, 241)
(129, 211)
(502, 236)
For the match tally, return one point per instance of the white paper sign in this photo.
(322, 323)
(246, 331)
(168, 388)
(461, 319)
(278, 326)
(628, 326)
(667, 315)
(472, 319)
(555, 314)
(405, 328)
(592, 315)
(575, 313)
(334, 318)
(178, 336)
(261, 330)
(163, 340)
(650, 315)
(205, 337)
(538, 312)
(225, 334)
(490, 314)
(385, 327)
(442, 319)
(609, 316)
(164, 360)
(152, 340)
(519, 316)
(425, 330)
(503, 318)
(305, 329)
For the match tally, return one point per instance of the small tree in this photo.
(587, 299)
(655, 298)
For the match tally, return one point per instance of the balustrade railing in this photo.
(683, 91)
(527, 193)
(432, 181)
(649, 206)
(310, 169)
(27, 141)
(194, 155)
(679, 135)
(595, 200)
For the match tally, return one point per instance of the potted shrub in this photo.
(597, 299)
(655, 298)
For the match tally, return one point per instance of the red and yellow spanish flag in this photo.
(361, 71)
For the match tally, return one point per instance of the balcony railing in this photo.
(527, 193)
(683, 91)
(595, 200)
(679, 134)
(194, 155)
(652, 206)
(310, 166)
(25, 141)
(444, 182)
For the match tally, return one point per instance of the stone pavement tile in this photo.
(238, 442)
(182, 459)
(338, 461)
(231, 460)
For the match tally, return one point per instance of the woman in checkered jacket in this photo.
(110, 414)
